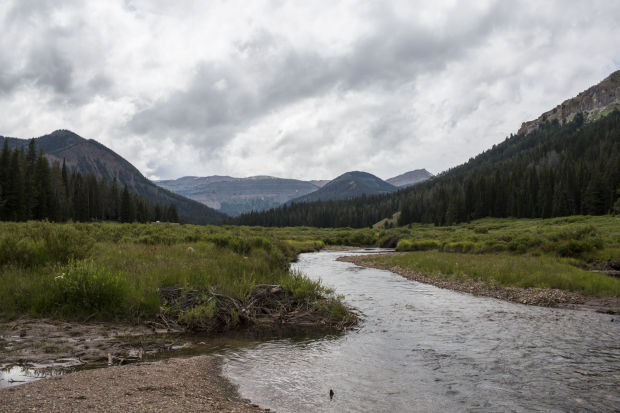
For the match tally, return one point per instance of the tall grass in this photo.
(113, 271)
(507, 270)
(133, 261)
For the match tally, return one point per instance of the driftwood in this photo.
(267, 303)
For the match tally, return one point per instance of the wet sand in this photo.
(545, 297)
(175, 385)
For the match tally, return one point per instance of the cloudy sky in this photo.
(303, 89)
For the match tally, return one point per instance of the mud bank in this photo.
(545, 297)
(45, 341)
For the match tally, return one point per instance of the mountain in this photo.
(349, 185)
(89, 156)
(593, 103)
(410, 178)
(549, 169)
(319, 182)
(235, 196)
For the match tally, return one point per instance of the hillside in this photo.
(89, 156)
(349, 185)
(592, 103)
(410, 178)
(235, 196)
(554, 169)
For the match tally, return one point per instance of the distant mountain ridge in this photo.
(593, 103)
(89, 156)
(235, 196)
(410, 178)
(349, 185)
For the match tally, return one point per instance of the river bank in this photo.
(52, 347)
(189, 385)
(545, 297)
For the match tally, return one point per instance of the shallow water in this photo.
(422, 348)
(12, 375)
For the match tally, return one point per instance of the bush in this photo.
(574, 248)
(460, 246)
(87, 290)
(417, 245)
(39, 243)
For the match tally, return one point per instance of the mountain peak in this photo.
(65, 133)
(410, 178)
(597, 101)
(349, 185)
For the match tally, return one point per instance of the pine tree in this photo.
(128, 210)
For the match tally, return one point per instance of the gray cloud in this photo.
(297, 90)
(268, 73)
(48, 67)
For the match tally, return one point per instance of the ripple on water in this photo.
(424, 348)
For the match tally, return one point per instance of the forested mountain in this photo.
(235, 196)
(552, 171)
(31, 189)
(348, 185)
(410, 178)
(90, 157)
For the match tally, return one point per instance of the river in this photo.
(422, 348)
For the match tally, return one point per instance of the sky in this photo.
(296, 89)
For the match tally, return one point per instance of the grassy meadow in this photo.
(544, 253)
(111, 271)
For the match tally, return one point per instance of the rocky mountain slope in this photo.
(410, 178)
(594, 102)
(89, 156)
(349, 185)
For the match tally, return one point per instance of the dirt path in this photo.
(546, 297)
(175, 385)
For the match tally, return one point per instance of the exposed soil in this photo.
(193, 384)
(174, 385)
(545, 297)
(339, 248)
(43, 341)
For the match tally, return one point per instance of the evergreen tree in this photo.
(128, 210)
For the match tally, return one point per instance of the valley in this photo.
(473, 283)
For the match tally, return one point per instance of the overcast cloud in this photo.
(307, 90)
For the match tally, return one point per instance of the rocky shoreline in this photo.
(545, 297)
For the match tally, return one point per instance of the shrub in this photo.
(574, 248)
(87, 290)
(40, 243)
(417, 245)
(199, 314)
(460, 246)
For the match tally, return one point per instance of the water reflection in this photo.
(13, 375)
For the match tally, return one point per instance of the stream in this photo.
(422, 348)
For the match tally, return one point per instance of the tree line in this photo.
(557, 170)
(31, 188)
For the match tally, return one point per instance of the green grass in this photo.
(507, 270)
(128, 263)
(584, 238)
(113, 271)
